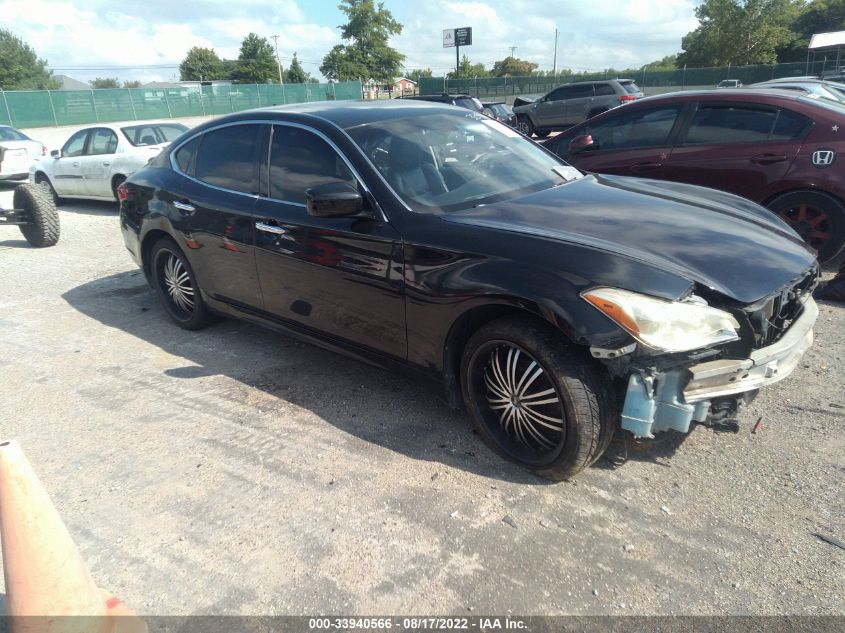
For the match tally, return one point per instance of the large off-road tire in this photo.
(41, 179)
(37, 201)
(817, 217)
(535, 398)
(177, 287)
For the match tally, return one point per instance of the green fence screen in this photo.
(40, 108)
(658, 79)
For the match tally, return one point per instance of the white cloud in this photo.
(72, 34)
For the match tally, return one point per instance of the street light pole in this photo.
(554, 63)
(279, 64)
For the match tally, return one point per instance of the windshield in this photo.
(445, 162)
(140, 135)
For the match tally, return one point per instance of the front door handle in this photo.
(269, 228)
(106, 163)
(76, 164)
(187, 207)
(767, 159)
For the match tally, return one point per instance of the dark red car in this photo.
(777, 148)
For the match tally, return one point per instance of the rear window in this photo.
(11, 134)
(827, 104)
(470, 103)
(630, 87)
(141, 135)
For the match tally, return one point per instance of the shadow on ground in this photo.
(352, 396)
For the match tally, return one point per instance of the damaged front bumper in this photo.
(660, 401)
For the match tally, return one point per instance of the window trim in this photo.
(272, 122)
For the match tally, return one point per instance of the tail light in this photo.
(43, 150)
(626, 98)
(124, 193)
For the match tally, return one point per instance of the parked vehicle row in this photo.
(550, 303)
(17, 153)
(778, 148)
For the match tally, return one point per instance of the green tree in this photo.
(469, 70)
(294, 74)
(201, 64)
(418, 73)
(256, 61)
(105, 82)
(20, 67)
(819, 16)
(367, 53)
(670, 62)
(739, 32)
(132, 84)
(513, 67)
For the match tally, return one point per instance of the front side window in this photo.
(632, 129)
(445, 161)
(228, 158)
(103, 141)
(299, 160)
(723, 124)
(75, 144)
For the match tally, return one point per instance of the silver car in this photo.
(573, 103)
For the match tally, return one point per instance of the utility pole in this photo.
(554, 63)
(279, 64)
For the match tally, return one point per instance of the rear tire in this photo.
(817, 217)
(535, 399)
(542, 133)
(115, 183)
(37, 201)
(177, 286)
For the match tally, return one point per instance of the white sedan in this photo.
(17, 153)
(95, 160)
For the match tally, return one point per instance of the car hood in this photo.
(722, 241)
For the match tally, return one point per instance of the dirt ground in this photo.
(236, 471)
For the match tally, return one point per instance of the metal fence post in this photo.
(132, 103)
(94, 106)
(684, 77)
(8, 111)
(52, 108)
(167, 103)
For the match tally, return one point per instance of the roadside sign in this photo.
(448, 38)
(457, 37)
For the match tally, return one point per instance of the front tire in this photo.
(177, 288)
(41, 179)
(535, 399)
(524, 125)
(817, 217)
(37, 201)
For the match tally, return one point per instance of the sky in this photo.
(147, 40)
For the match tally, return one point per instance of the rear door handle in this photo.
(767, 159)
(76, 164)
(638, 167)
(106, 163)
(270, 228)
(187, 207)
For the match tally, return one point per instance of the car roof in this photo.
(345, 113)
(740, 94)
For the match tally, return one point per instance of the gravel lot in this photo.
(235, 471)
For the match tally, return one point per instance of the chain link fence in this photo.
(652, 82)
(41, 108)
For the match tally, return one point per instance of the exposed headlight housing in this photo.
(668, 326)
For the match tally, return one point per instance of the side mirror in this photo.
(582, 143)
(56, 153)
(333, 200)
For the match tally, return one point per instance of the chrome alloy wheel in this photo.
(178, 285)
(524, 400)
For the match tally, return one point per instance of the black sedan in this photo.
(551, 304)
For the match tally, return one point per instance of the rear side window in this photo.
(299, 160)
(185, 156)
(630, 87)
(721, 125)
(103, 141)
(602, 90)
(470, 103)
(790, 126)
(228, 158)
